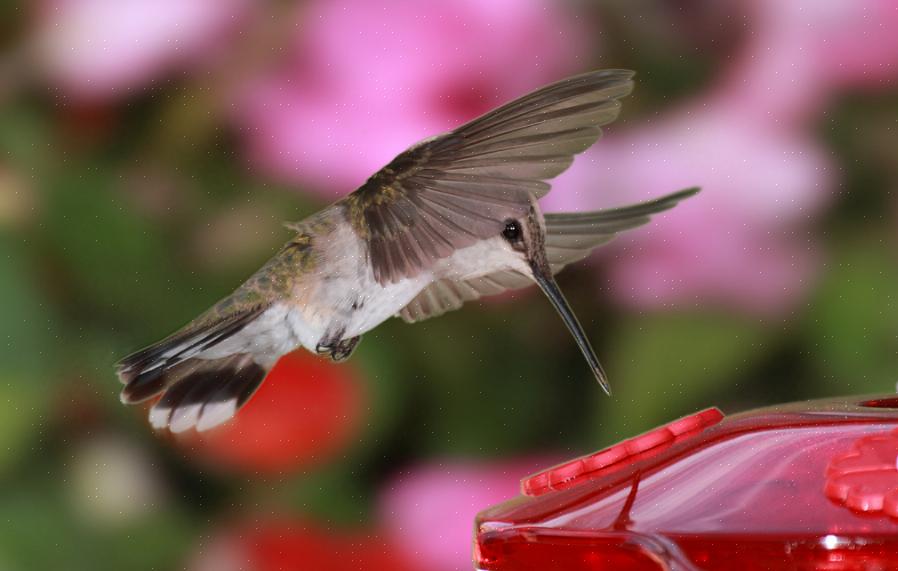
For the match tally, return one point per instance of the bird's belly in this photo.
(375, 303)
(279, 330)
(348, 308)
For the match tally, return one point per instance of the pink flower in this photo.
(102, 49)
(365, 80)
(851, 42)
(743, 242)
(430, 510)
(800, 51)
(739, 242)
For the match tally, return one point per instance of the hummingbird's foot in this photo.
(344, 348)
(335, 347)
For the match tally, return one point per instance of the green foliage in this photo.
(22, 408)
(26, 327)
(26, 341)
(669, 364)
(41, 530)
(853, 327)
(114, 260)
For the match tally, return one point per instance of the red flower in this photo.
(303, 413)
(283, 545)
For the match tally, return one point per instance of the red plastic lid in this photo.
(866, 477)
(580, 469)
(805, 486)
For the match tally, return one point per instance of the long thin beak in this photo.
(547, 283)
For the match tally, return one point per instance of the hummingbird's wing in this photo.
(448, 295)
(569, 237)
(450, 191)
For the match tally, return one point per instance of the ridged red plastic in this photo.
(580, 469)
(866, 477)
(805, 486)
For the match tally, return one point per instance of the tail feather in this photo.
(199, 394)
(196, 391)
(144, 386)
(186, 343)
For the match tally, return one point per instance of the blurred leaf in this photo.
(336, 494)
(117, 260)
(159, 542)
(25, 327)
(22, 407)
(385, 392)
(663, 366)
(24, 136)
(486, 385)
(854, 319)
(39, 531)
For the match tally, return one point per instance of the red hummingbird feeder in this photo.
(804, 486)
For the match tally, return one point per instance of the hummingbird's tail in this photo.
(208, 395)
(196, 393)
(198, 385)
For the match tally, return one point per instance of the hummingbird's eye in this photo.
(512, 230)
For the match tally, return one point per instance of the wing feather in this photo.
(569, 237)
(463, 185)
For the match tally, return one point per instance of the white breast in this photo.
(347, 296)
(378, 303)
(275, 332)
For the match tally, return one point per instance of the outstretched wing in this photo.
(448, 295)
(450, 191)
(569, 238)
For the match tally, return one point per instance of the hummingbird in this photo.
(453, 218)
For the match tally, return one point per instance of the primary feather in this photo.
(569, 237)
(450, 191)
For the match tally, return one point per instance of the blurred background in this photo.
(150, 149)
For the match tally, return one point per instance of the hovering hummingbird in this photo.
(453, 218)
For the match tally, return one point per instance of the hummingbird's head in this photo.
(526, 238)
